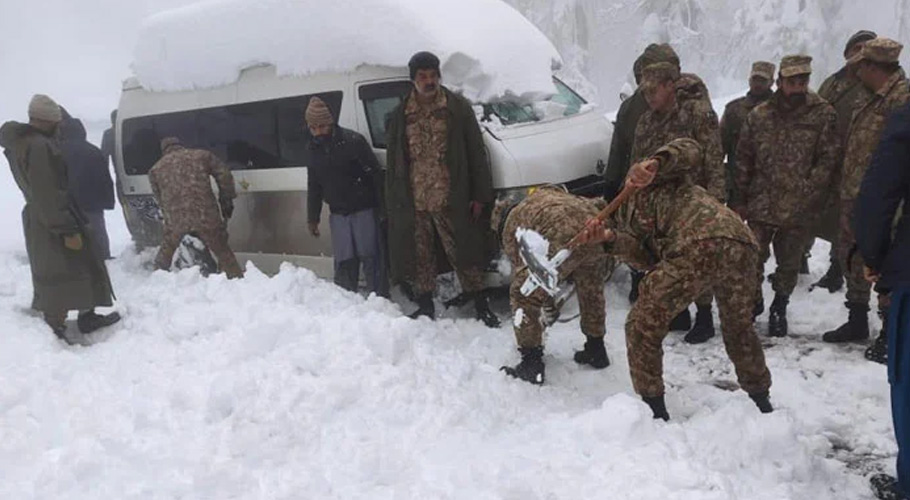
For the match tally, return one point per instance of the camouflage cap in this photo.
(883, 50)
(763, 69)
(793, 65)
(655, 74)
(859, 36)
(169, 142)
(658, 53)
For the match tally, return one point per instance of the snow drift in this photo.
(487, 48)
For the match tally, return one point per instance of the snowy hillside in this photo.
(287, 388)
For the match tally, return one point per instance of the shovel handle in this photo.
(609, 210)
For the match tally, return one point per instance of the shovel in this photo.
(533, 248)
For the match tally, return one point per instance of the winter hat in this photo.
(168, 143)
(795, 65)
(859, 36)
(636, 69)
(657, 53)
(423, 60)
(318, 114)
(763, 69)
(655, 74)
(45, 109)
(881, 50)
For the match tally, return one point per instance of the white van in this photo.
(256, 125)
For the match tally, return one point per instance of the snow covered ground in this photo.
(286, 387)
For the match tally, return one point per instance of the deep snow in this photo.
(287, 387)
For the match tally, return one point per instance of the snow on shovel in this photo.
(543, 272)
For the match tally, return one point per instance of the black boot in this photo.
(531, 368)
(777, 316)
(758, 308)
(482, 308)
(90, 321)
(833, 280)
(878, 351)
(637, 276)
(885, 487)
(658, 407)
(425, 307)
(762, 401)
(703, 328)
(856, 329)
(594, 353)
(682, 322)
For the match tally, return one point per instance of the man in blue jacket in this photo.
(885, 248)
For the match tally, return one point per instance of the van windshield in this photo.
(564, 103)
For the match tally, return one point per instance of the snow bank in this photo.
(487, 48)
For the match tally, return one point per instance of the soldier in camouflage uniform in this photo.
(786, 159)
(558, 217)
(761, 79)
(846, 93)
(680, 108)
(878, 68)
(692, 243)
(182, 185)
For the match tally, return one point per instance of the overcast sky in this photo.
(76, 51)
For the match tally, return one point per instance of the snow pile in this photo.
(487, 48)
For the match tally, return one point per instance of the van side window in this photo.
(379, 100)
(248, 136)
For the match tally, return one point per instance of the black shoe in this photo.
(804, 264)
(833, 280)
(878, 351)
(594, 354)
(90, 321)
(762, 401)
(637, 276)
(531, 368)
(777, 316)
(885, 487)
(482, 308)
(425, 307)
(682, 322)
(856, 329)
(703, 329)
(658, 407)
(758, 308)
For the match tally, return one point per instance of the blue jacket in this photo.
(884, 248)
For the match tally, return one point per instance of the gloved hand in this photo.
(73, 241)
(227, 208)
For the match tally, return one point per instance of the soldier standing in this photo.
(679, 107)
(878, 68)
(846, 93)
(438, 184)
(786, 160)
(558, 217)
(66, 273)
(691, 242)
(181, 184)
(761, 79)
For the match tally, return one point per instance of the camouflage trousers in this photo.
(426, 226)
(587, 267)
(789, 244)
(216, 240)
(723, 265)
(858, 289)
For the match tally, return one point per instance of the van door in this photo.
(377, 101)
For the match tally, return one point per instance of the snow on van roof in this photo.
(487, 48)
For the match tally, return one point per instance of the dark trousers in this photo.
(899, 378)
(356, 242)
(101, 244)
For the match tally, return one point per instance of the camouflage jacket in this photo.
(427, 134)
(847, 94)
(786, 161)
(663, 220)
(732, 122)
(556, 215)
(182, 185)
(866, 129)
(692, 117)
